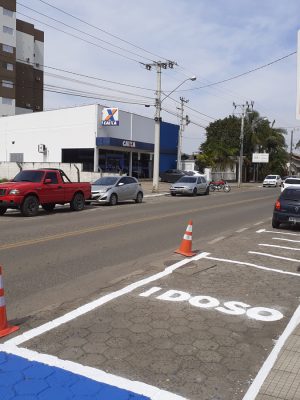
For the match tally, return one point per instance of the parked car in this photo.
(290, 182)
(46, 187)
(114, 189)
(272, 180)
(190, 185)
(171, 175)
(287, 208)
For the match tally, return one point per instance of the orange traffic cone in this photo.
(186, 244)
(5, 329)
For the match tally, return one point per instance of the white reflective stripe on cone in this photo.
(189, 228)
(2, 301)
(1, 282)
(187, 237)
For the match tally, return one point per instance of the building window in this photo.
(8, 66)
(7, 12)
(7, 29)
(7, 48)
(7, 101)
(7, 84)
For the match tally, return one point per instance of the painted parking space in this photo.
(21, 378)
(201, 329)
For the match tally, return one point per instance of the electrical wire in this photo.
(102, 30)
(85, 33)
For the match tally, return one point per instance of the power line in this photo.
(101, 30)
(85, 33)
(242, 74)
(83, 40)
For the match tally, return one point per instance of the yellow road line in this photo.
(119, 224)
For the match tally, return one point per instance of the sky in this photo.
(213, 40)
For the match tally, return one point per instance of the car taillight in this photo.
(277, 205)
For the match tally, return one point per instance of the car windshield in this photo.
(271, 177)
(293, 181)
(29, 176)
(187, 179)
(290, 194)
(106, 181)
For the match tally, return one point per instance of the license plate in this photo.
(294, 220)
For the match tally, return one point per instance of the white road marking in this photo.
(270, 361)
(241, 230)
(258, 223)
(279, 271)
(277, 233)
(141, 388)
(271, 255)
(216, 240)
(287, 240)
(99, 302)
(279, 247)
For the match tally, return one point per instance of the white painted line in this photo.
(99, 302)
(277, 233)
(279, 271)
(279, 247)
(287, 240)
(216, 240)
(241, 230)
(258, 223)
(271, 255)
(141, 388)
(270, 361)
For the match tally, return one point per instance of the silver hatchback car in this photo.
(191, 185)
(113, 189)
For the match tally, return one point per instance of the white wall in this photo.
(66, 128)
(25, 47)
(138, 128)
(39, 54)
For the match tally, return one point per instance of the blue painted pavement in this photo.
(21, 379)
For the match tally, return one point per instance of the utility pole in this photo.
(245, 110)
(181, 129)
(159, 66)
(291, 152)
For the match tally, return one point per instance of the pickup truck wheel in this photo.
(48, 207)
(30, 206)
(113, 200)
(3, 210)
(78, 202)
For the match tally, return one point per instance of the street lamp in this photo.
(157, 120)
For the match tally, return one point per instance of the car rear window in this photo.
(188, 179)
(290, 194)
(293, 181)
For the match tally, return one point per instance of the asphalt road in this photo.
(64, 256)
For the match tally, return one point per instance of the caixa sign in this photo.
(110, 117)
(207, 302)
(128, 143)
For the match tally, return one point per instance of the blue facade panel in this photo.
(168, 146)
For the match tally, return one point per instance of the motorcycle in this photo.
(219, 185)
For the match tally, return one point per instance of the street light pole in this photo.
(181, 129)
(157, 120)
(291, 152)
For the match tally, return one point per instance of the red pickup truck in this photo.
(45, 187)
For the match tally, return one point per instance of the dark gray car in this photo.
(113, 189)
(171, 175)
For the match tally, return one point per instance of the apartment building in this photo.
(21, 63)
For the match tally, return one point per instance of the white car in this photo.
(291, 182)
(272, 180)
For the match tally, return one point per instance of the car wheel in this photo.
(113, 200)
(48, 207)
(207, 191)
(194, 192)
(3, 210)
(275, 224)
(139, 197)
(30, 206)
(173, 194)
(78, 202)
